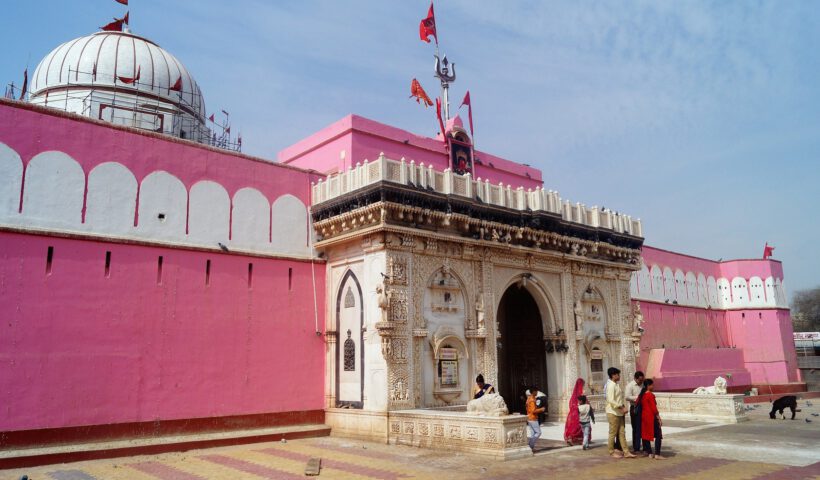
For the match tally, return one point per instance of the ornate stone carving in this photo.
(398, 305)
(719, 388)
(516, 436)
(349, 354)
(384, 301)
(350, 300)
(489, 405)
(398, 350)
(397, 268)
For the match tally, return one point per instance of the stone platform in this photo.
(726, 408)
(502, 438)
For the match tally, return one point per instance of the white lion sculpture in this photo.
(718, 389)
(489, 405)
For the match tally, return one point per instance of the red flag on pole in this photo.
(427, 26)
(228, 130)
(768, 251)
(466, 101)
(177, 86)
(211, 118)
(440, 121)
(130, 80)
(25, 84)
(116, 25)
(123, 2)
(419, 93)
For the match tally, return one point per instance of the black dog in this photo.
(782, 403)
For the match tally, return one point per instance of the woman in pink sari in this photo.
(573, 434)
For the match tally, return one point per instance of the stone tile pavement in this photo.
(760, 449)
(345, 459)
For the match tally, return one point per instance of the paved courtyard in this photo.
(759, 449)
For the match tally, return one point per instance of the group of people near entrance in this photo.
(637, 400)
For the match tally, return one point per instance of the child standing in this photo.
(650, 420)
(586, 414)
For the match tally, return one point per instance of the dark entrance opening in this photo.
(521, 353)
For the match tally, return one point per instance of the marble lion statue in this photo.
(718, 389)
(490, 405)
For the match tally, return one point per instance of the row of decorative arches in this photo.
(691, 289)
(53, 192)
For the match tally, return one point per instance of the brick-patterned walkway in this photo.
(346, 459)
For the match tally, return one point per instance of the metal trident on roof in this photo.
(443, 69)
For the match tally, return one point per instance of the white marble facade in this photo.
(420, 316)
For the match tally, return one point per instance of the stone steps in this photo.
(75, 452)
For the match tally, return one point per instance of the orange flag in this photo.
(419, 93)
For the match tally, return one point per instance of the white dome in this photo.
(117, 54)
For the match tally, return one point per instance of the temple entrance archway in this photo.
(521, 352)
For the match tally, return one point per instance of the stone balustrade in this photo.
(447, 182)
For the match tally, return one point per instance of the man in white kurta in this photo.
(615, 411)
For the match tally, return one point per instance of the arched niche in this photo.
(163, 205)
(597, 360)
(592, 316)
(445, 306)
(111, 201)
(350, 345)
(11, 171)
(54, 186)
(451, 382)
(209, 213)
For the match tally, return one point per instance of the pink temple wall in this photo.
(767, 340)
(363, 139)
(78, 347)
(82, 348)
(761, 336)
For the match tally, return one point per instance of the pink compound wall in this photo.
(363, 139)
(744, 330)
(82, 348)
(208, 334)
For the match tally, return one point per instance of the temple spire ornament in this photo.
(446, 73)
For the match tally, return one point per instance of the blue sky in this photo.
(702, 118)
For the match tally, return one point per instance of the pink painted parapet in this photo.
(30, 130)
(363, 139)
(691, 303)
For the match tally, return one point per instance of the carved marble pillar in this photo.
(567, 312)
(624, 316)
(490, 353)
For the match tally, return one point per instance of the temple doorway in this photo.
(521, 352)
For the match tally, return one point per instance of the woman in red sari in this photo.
(650, 420)
(573, 434)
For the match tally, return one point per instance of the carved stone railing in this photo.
(449, 183)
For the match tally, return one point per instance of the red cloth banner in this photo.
(177, 86)
(116, 25)
(440, 121)
(768, 251)
(427, 26)
(419, 94)
(466, 101)
(130, 80)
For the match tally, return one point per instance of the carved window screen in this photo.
(349, 353)
(350, 300)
